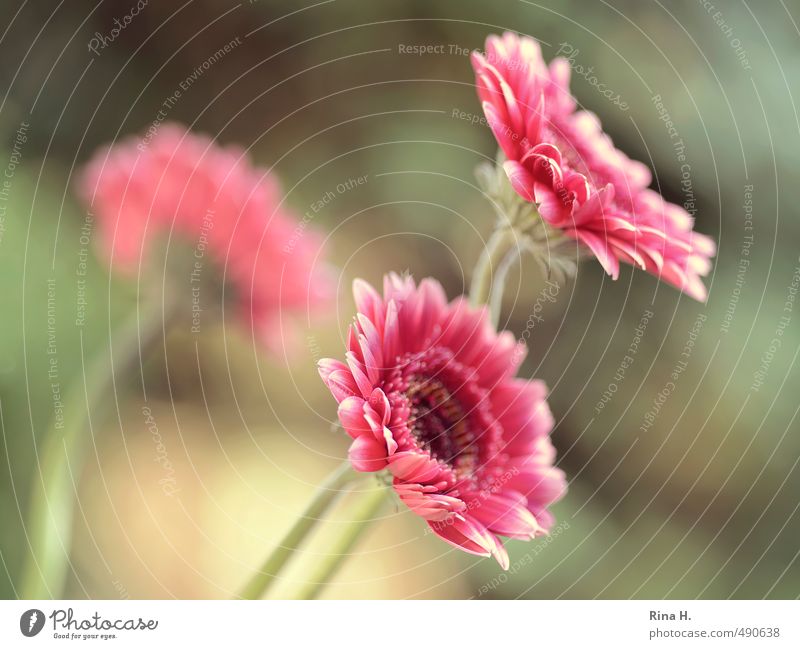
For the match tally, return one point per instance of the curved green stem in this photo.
(499, 284)
(364, 514)
(503, 240)
(326, 494)
(63, 450)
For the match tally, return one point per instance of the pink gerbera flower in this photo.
(560, 158)
(214, 200)
(428, 393)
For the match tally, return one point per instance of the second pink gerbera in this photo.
(560, 159)
(221, 208)
(428, 393)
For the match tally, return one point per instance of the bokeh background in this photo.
(703, 503)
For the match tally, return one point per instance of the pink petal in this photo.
(391, 336)
(601, 250)
(470, 536)
(351, 415)
(414, 466)
(367, 299)
(521, 179)
(367, 455)
(507, 517)
(359, 373)
(342, 384)
(327, 366)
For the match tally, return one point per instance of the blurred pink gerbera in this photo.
(561, 159)
(428, 393)
(214, 200)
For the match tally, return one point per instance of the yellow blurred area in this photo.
(229, 500)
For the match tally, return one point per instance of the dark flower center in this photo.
(440, 426)
(446, 412)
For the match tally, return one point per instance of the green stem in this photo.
(63, 449)
(503, 240)
(326, 494)
(364, 514)
(499, 284)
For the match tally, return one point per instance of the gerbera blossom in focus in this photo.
(211, 198)
(559, 158)
(428, 393)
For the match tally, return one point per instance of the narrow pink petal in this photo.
(431, 506)
(373, 360)
(328, 365)
(342, 384)
(477, 533)
(367, 455)
(521, 179)
(506, 516)
(502, 130)
(351, 415)
(430, 308)
(367, 299)
(630, 251)
(414, 466)
(391, 336)
(359, 373)
(379, 430)
(601, 250)
(446, 531)
(380, 404)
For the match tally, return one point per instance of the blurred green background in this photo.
(703, 503)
